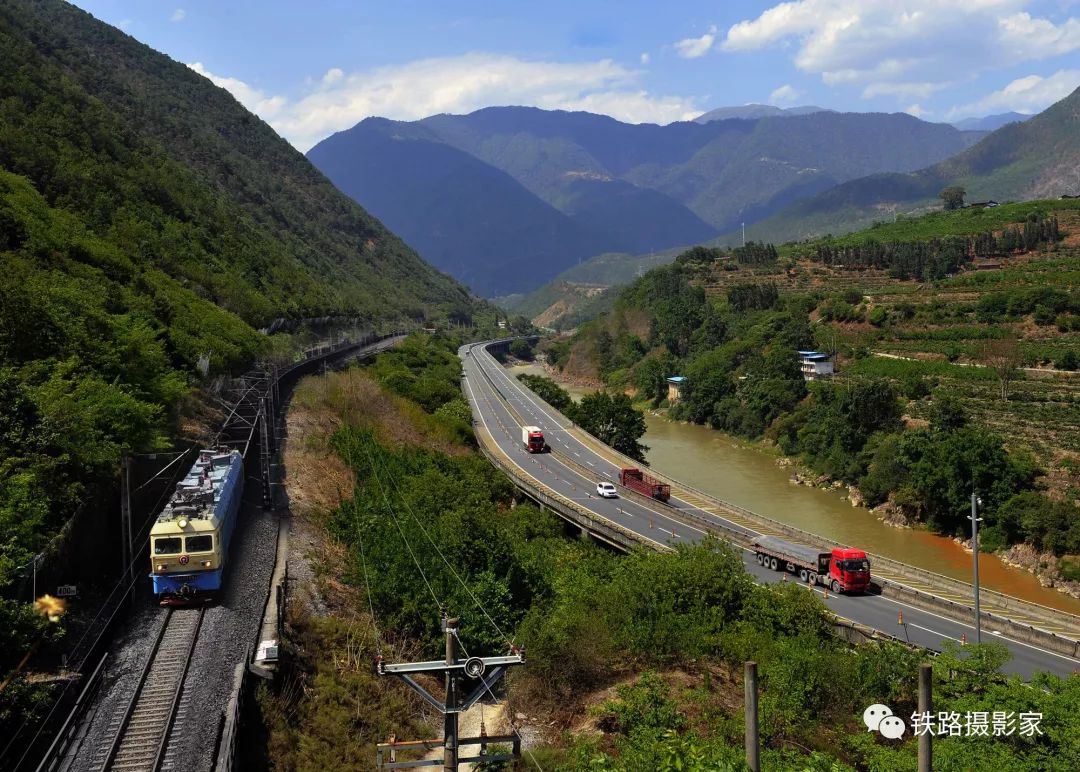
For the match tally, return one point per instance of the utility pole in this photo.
(125, 511)
(975, 558)
(450, 717)
(484, 672)
(744, 234)
(750, 708)
(265, 451)
(926, 708)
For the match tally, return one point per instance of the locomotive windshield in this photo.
(168, 546)
(200, 543)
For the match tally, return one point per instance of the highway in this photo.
(493, 394)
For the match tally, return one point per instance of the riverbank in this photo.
(758, 478)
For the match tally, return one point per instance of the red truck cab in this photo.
(851, 568)
(532, 437)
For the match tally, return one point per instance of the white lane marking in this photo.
(967, 626)
(881, 597)
(927, 629)
(479, 412)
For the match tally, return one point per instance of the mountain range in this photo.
(1036, 158)
(757, 111)
(506, 198)
(990, 122)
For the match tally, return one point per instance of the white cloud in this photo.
(458, 84)
(906, 48)
(178, 15)
(903, 90)
(692, 48)
(1032, 94)
(916, 110)
(266, 107)
(645, 58)
(786, 94)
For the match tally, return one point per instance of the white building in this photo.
(815, 365)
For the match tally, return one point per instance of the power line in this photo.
(453, 571)
(367, 587)
(179, 457)
(394, 517)
(497, 701)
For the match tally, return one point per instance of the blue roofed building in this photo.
(674, 388)
(815, 365)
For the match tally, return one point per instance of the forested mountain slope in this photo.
(148, 220)
(176, 173)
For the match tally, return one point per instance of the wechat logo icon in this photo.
(880, 718)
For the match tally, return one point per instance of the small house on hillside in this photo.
(815, 365)
(674, 388)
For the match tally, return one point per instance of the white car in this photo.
(606, 490)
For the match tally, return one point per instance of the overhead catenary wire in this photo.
(179, 457)
(120, 583)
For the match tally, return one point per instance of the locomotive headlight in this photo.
(161, 567)
(182, 522)
(206, 564)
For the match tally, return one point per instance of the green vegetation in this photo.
(937, 258)
(178, 176)
(960, 342)
(668, 631)
(610, 418)
(148, 223)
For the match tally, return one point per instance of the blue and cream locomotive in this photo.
(189, 542)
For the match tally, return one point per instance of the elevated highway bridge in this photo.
(933, 608)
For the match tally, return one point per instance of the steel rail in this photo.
(145, 729)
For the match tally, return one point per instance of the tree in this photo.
(612, 419)
(947, 414)
(1002, 355)
(946, 465)
(521, 349)
(547, 390)
(953, 196)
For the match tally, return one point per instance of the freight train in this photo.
(189, 542)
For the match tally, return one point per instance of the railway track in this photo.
(142, 735)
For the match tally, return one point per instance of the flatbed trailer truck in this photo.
(636, 480)
(843, 569)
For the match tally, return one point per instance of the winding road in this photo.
(498, 400)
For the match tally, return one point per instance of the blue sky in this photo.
(310, 69)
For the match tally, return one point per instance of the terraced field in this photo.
(943, 334)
